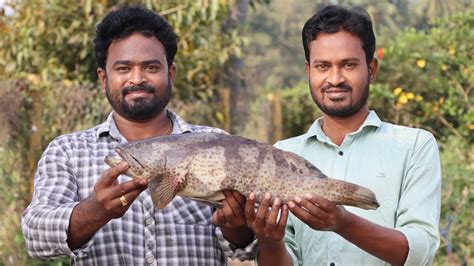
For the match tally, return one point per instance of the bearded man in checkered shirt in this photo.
(97, 216)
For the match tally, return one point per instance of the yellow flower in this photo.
(67, 82)
(403, 99)
(33, 78)
(410, 96)
(451, 50)
(397, 90)
(444, 67)
(421, 63)
(470, 126)
(419, 98)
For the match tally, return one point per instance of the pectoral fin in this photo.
(162, 191)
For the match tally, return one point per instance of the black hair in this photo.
(127, 20)
(332, 19)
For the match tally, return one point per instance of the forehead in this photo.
(336, 46)
(137, 48)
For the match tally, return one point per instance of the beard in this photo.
(343, 110)
(139, 109)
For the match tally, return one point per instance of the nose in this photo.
(335, 77)
(137, 76)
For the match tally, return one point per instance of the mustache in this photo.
(343, 86)
(142, 87)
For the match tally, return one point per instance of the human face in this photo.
(339, 75)
(137, 80)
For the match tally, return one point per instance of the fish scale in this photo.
(201, 165)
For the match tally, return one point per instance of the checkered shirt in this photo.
(180, 234)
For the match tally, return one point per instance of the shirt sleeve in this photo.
(45, 221)
(420, 202)
(246, 253)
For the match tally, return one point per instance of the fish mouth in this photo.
(136, 168)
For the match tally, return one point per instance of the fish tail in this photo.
(354, 195)
(364, 198)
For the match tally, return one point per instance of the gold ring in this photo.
(124, 201)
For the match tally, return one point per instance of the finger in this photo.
(131, 186)
(283, 218)
(306, 204)
(239, 197)
(130, 196)
(321, 202)
(299, 212)
(110, 175)
(218, 218)
(263, 209)
(250, 208)
(273, 215)
(233, 203)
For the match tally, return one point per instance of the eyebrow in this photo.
(143, 63)
(345, 60)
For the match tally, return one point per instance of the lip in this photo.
(336, 94)
(141, 93)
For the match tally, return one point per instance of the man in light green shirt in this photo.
(399, 164)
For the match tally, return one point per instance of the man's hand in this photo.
(318, 213)
(103, 205)
(112, 199)
(268, 224)
(231, 219)
(231, 215)
(265, 223)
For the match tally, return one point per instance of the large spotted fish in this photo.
(201, 165)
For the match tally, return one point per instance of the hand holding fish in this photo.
(114, 199)
(231, 215)
(267, 225)
(318, 212)
(104, 204)
(231, 219)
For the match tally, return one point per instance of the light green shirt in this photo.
(399, 164)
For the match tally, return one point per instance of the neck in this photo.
(133, 130)
(337, 128)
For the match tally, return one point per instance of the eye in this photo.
(122, 68)
(321, 67)
(152, 68)
(350, 65)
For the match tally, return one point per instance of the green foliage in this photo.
(299, 110)
(429, 78)
(456, 223)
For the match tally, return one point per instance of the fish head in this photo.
(136, 168)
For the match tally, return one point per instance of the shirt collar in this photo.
(110, 128)
(316, 131)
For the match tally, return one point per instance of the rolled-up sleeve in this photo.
(420, 202)
(45, 221)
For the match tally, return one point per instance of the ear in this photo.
(102, 78)
(373, 66)
(172, 72)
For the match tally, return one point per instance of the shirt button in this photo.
(340, 153)
(149, 221)
(150, 260)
